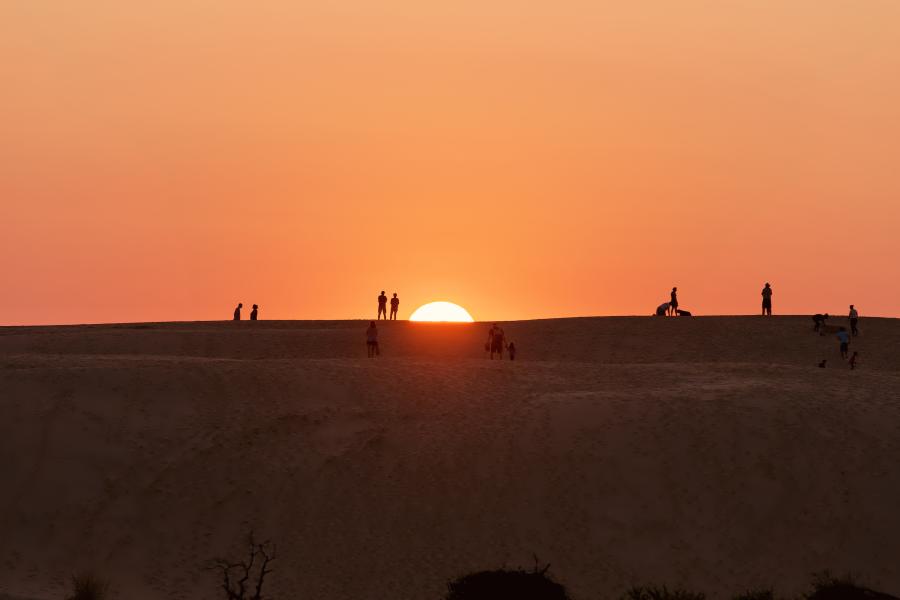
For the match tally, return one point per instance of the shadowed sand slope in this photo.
(709, 452)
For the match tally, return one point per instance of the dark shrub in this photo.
(828, 587)
(88, 587)
(502, 584)
(763, 594)
(663, 593)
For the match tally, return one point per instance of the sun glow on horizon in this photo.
(442, 312)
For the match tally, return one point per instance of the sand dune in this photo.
(709, 452)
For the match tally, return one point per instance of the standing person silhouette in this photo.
(237, 311)
(372, 340)
(382, 306)
(253, 312)
(673, 303)
(496, 338)
(767, 300)
(395, 304)
(854, 320)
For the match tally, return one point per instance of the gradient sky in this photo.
(163, 160)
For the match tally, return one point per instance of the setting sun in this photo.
(442, 312)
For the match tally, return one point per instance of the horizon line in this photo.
(475, 322)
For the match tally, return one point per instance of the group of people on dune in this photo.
(253, 313)
(372, 332)
(372, 348)
(670, 308)
(821, 327)
(496, 343)
(382, 307)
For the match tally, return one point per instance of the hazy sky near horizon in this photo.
(164, 160)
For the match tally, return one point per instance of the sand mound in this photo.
(710, 453)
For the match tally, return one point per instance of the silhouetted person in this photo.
(395, 304)
(845, 342)
(496, 337)
(511, 349)
(822, 364)
(854, 319)
(662, 310)
(767, 300)
(853, 360)
(682, 313)
(382, 306)
(673, 303)
(819, 320)
(372, 340)
(237, 312)
(253, 312)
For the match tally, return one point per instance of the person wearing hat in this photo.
(767, 300)
(253, 312)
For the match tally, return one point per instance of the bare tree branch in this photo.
(250, 573)
(267, 557)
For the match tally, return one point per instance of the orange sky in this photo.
(163, 160)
